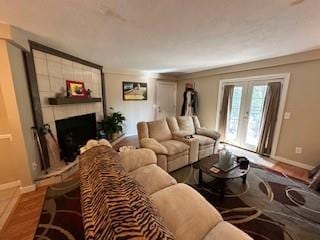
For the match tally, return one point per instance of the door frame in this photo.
(284, 78)
(175, 85)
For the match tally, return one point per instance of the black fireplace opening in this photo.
(74, 132)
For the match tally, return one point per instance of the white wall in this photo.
(134, 111)
(14, 155)
(24, 103)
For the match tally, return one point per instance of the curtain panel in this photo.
(269, 118)
(225, 109)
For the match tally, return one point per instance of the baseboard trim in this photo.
(10, 185)
(117, 140)
(131, 134)
(17, 183)
(27, 189)
(294, 163)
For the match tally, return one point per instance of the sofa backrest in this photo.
(186, 124)
(143, 131)
(196, 122)
(159, 130)
(162, 130)
(173, 124)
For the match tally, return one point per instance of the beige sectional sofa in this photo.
(171, 153)
(185, 212)
(167, 138)
(182, 126)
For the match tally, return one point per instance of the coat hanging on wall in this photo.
(190, 101)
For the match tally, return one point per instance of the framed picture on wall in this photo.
(76, 89)
(134, 91)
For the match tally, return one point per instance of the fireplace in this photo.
(74, 132)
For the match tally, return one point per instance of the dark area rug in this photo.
(270, 206)
(61, 217)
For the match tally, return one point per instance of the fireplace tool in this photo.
(39, 146)
(53, 147)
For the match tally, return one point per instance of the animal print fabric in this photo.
(115, 206)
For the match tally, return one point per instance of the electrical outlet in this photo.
(287, 115)
(34, 166)
(298, 150)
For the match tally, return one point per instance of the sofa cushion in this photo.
(203, 140)
(152, 178)
(186, 124)
(159, 130)
(225, 230)
(186, 213)
(173, 124)
(174, 147)
(138, 158)
(154, 145)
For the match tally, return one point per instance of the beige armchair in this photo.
(186, 125)
(171, 154)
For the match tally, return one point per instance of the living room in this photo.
(208, 110)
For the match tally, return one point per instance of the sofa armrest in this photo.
(193, 148)
(208, 133)
(134, 159)
(154, 145)
(180, 134)
(193, 144)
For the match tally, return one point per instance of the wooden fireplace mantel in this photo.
(69, 100)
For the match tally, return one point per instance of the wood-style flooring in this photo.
(23, 220)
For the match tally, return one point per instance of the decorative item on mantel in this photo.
(76, 89)
(62, 93)
(75, 92)
(89, 92)
(112, 125)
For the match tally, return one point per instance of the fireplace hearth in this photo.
(74, 132)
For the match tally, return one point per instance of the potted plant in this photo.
(112, 125)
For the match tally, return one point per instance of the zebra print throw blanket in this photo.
(114, 206)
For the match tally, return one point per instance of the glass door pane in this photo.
(234, 116)
(255, 114)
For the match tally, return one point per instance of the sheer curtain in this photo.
(269, 119)
(225, 109)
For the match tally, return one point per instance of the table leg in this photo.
(200, 178)
(222, 189)
(244, 179)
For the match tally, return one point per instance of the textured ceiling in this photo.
(170, 35)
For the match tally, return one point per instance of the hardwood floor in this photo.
(292, 171)
(23, 221)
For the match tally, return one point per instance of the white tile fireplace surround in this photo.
(52, 73)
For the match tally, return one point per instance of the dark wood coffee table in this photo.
(221, 177)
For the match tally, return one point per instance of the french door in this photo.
(246, 114)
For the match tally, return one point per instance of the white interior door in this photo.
(166, 99)
(245, 116)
